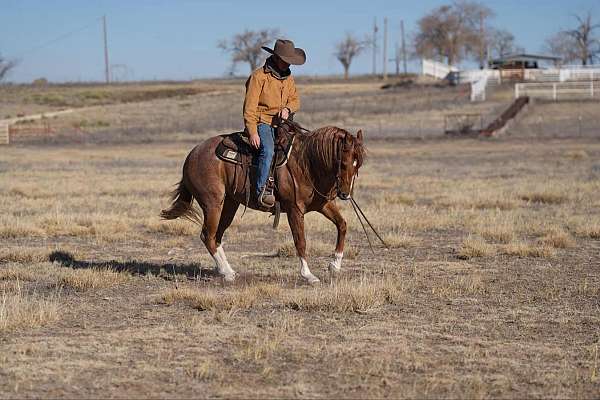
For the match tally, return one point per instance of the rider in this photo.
(270, 92)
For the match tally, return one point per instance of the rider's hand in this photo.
(255, 140)
(285, 113)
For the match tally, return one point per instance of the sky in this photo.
(61, 40)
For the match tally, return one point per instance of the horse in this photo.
(322, 166)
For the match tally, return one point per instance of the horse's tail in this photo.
(182, 205)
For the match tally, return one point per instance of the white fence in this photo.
(436, 69)
(478, 89)
(559, 90)
(474, 75)
(479, 79)
(571, 81)
(565, 74)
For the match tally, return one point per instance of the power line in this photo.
(58, 39)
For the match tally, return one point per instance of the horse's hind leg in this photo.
(332, 213)
(212, 217)
(230, 207)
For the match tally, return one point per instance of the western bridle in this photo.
(339, 154)
(338, 176)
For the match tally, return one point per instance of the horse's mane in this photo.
(320, 147)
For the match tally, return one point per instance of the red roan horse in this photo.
(322, 165)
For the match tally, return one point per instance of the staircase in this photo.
(503, 122)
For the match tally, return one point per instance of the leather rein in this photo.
(357, 210)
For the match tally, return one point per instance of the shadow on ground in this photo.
(166, 271)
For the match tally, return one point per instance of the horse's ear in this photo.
(359, 136)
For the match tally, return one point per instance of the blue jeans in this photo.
(266, 133)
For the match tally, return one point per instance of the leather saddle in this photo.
(236, 149)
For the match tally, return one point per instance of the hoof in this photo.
(333, 267)
(228, 277)
(311, 279)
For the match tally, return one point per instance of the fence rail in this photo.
(4, 134)
(558, 90)
(563, 75)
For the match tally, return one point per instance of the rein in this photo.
(356, 207)
(357, 210)
(298, 129)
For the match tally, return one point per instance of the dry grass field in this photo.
(491, 287)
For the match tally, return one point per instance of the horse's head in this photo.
(350, 158)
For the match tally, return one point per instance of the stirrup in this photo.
(266, 198)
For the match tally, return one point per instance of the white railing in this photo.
(580, 66)
(436, 69)
(543, 75)
(564, 74)
(479, 79)
(580, 74)
(558, 90)
(478, 88)
(474, 75)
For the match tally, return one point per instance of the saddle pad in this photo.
(234, 148)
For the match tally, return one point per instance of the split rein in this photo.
(357, 210)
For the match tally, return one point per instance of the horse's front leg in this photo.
(332, 213)
(296, 221)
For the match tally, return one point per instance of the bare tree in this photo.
(347, 49)
(576, 45)
(501, 43)
(588, 46)
(562, 45)
(5, 67)
(451, 32)
(245, 47)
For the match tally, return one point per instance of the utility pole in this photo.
(106, 67)
(482, 41)
(385, 60)
(403, 47)
(397, 59)
(374, 44)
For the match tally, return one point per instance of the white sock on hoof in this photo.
(222, 253)
(336, 264)
(305, 272)
(223, 266)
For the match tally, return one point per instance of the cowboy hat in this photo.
(287, 52)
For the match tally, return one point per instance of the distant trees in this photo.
(580, 44)
(501, 43)
(5, 67)
(561, 45)
(452, 32)
(245, 47)
(346, 49)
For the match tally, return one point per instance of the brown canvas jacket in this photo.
(266, 96)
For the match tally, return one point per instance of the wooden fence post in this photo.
(4, 134)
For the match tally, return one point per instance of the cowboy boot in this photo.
(267, 198)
